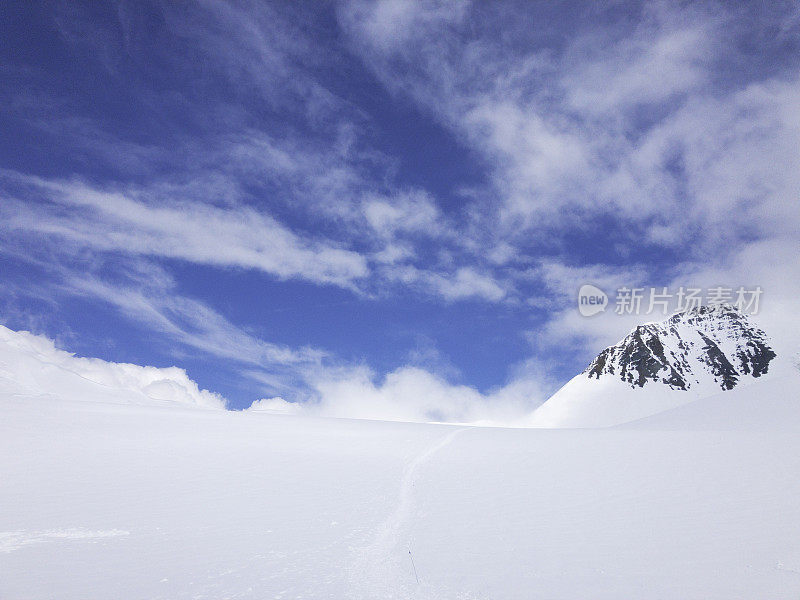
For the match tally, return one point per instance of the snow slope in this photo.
(772, 404)
(168, 502)
(592, 403)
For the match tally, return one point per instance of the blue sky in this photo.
(360, 202)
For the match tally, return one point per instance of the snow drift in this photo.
(31, 365)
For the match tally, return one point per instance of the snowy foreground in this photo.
(116, 501)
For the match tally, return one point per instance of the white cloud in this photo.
(633, 122)
(628, 122)
(390, 24)
(467, 283)
(188, 321)
(236, 236)
(566, 328)
(772, 265)
(411, 212)
(146, 294)
(464, 282)
(415, 394)
(393, 253)
(258, 46)
(669, 54)
(537, 158)
(33, 367)
(565, 280)
(276, 405)
(167, 220)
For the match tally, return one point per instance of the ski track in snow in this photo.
(383, 569)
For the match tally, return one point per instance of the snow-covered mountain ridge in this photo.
(691, 348)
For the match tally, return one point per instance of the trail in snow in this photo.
(700, 504)
(383, 569)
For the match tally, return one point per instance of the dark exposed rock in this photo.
(716, 341)
(720, 366)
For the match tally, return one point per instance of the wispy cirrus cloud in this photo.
(150, 297)
(146, 296)
(202, 233)
(294, 192)
(150, 222)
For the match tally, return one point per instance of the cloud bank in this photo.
(32, 366)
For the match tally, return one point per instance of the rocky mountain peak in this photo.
(715, 346)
